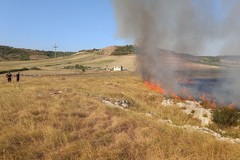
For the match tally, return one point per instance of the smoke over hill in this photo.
(192, 26)
(200, 27)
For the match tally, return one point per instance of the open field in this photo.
(47, 66)
(65, 118)
(96, 60)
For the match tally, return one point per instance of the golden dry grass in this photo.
(64, 118)
(48, 67)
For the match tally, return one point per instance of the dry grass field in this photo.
(48, 66)
(65, 118)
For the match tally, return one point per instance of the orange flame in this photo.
(185, 94)
(154, 87)
(231, 106)
(175, 96)
(208, 102)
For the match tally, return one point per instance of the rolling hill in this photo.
(101, 60)
(11, 53)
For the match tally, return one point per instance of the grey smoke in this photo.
(199, 27)
(188, 26)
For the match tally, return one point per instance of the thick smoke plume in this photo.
(162, 28)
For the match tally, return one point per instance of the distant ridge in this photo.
(22, 54)
(112, 50)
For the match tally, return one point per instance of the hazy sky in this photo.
(73, 24)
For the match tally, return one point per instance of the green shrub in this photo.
(210, 60)
(193, 111)
(35, 68)
(226, 116)
(14, 70)
(10, 53)
(69, 67)
(124, 50)
(77, 66)
(24, 57)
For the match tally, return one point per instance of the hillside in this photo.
(94, 60)
(103, 60)
(111, 50)
(10, 53)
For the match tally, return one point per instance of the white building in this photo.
(116, 68)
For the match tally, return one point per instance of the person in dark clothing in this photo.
(18, 76)
(9, 76)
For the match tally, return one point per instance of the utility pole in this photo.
(55, 55)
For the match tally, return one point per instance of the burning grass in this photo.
(64, 118)
(205, 99)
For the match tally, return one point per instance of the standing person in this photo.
(18, 76)
(9, 76)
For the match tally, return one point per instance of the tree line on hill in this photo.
(123, 50)
(119, 51)
(11, 53)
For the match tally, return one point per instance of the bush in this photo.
(35, 68)
(77, 66)
(10, 53)
(226, 116)
(24, 57)
(210, 60)
(14, 70)
(124, 50)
